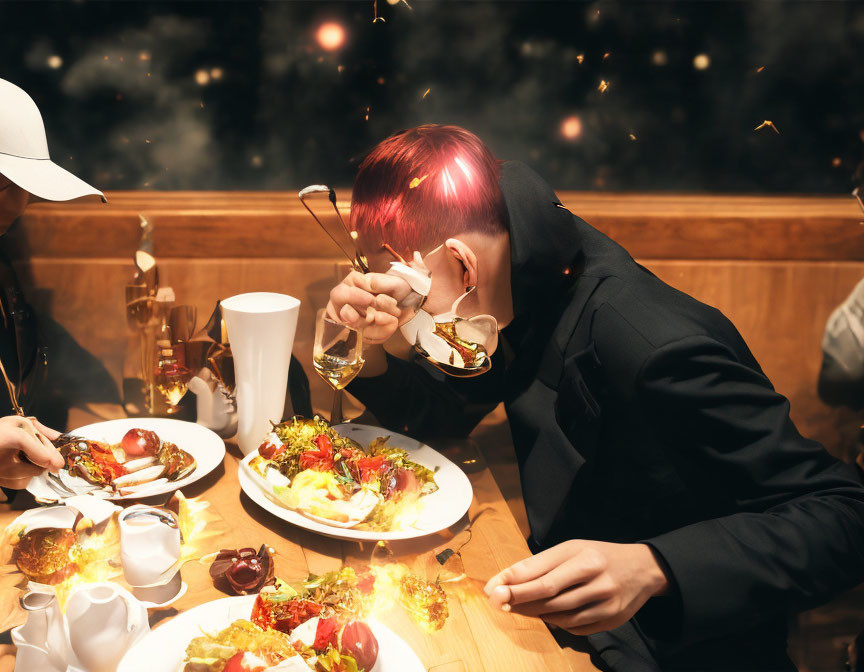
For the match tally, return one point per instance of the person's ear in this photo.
(464, 255)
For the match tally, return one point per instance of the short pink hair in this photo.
(426, 184)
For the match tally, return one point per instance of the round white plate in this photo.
(205, 446)
(164, 648)
(441, 509)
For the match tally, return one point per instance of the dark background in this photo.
(240, 95)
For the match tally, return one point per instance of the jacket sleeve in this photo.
(424, 403)
(789, 527)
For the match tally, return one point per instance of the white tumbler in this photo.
(261, 328)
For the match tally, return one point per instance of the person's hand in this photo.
(581, 586)
(370, 303)
(31, 438)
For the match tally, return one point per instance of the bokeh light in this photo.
(202, 77)
(55, 62)
(571, 127)
(701, 61)
(330, 36)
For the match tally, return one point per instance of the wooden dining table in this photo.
(475, 636)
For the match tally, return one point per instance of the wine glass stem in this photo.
(336, 412)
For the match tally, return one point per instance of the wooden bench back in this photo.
(776, 266)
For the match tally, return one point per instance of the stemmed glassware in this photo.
(337, 357)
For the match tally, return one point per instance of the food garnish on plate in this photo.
(308, 466)
(141, 457)
(316, 627)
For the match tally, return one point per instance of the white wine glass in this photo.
(337, 357)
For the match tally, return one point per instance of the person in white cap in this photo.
(25, 169)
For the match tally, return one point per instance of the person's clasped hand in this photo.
(370, 302)
(581, 586)
(28, 438)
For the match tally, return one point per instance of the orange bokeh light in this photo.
(571, 127)
(330, 36)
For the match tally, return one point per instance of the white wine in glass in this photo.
(337, 357)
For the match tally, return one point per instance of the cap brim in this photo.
(45, 179)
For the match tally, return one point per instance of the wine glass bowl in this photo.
(337, 357)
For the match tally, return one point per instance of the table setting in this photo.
(308, 544)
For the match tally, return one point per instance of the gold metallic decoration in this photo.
(416, 182)
(13, 397)
(769, 124)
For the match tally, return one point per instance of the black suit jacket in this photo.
(639, 414)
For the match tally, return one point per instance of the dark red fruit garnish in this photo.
(269, 450)
(139, 442)
(359, 642)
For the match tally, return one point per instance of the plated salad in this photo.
(316, 627)
(309, 467)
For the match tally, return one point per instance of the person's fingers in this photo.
(387, 304)
(50, 434)
(57, 461)
(570, 573)
(39, 453)
(14, 483)
(13, 466)
(350, 317)
(378, 283)
(359, 298)
(568, 600)
(529, 568)
(331, 311)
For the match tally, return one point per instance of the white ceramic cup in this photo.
(149, 547)
(261, 328)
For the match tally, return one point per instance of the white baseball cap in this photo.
(24, 157)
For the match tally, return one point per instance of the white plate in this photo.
(205, 446)
(164, 649)
(441, 509)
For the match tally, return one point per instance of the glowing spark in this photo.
(701, 61)
(769, 124)
(606, 55)
(216, 73)
(144, 56)
(202, 77)
(426, 92)
(330, 36)
(580, 58)
(416, 182)
(566, 271)
(55, 62)
(760, 68)
(836, 161)
(632, 136)
(367, 114)
(381, 81)
(603, 86)
(340, 68)
(353, 235)
(571, 127)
